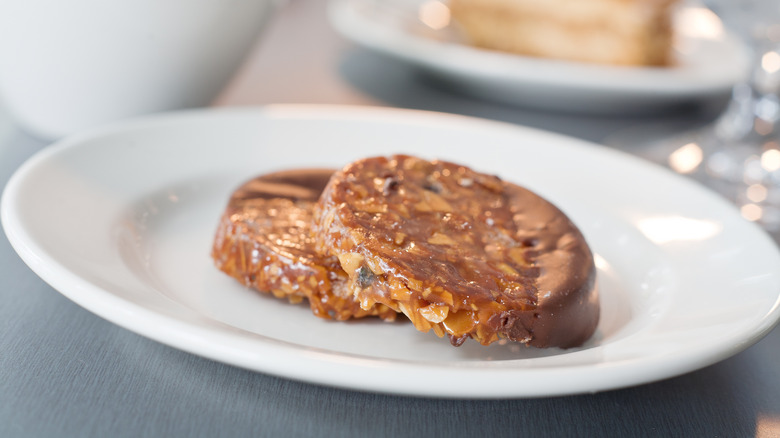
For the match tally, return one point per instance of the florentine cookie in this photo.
(264, 241)
(459, 252)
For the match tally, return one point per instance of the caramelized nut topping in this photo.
(458, 252)
(264, 240)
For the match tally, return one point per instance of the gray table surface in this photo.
(66, 372)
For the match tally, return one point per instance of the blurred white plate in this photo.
(709, 63)
(120, 220)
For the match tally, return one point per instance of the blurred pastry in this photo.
(618, 32)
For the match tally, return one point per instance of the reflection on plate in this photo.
(709, 62)
(120, 221)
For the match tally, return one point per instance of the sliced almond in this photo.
(434, 313)
(351, 261)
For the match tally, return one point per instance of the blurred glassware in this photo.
(739, 154)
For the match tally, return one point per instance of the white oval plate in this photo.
(120, 220)
(708, 63)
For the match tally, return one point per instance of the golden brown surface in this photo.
(264, 241)
(620, 32)
(459, 252)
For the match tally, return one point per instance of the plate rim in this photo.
(59, 277)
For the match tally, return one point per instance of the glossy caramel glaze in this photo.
(459, 252)
(264, 241)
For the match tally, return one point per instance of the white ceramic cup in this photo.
(67, 65)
